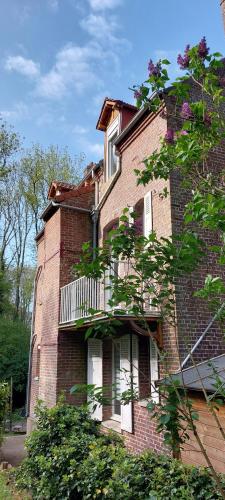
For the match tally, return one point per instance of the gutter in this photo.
(77, 209)
(62, 205)
(134, 120)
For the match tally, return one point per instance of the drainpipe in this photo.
(95, 215)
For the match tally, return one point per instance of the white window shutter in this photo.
(94, 369)
(135, 366)
(130, 219)
(107, 291)
(154, 370)
(126, 410)
(148, 214)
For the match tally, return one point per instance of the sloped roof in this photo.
(202, 374)
(107, 107)
(61, 187)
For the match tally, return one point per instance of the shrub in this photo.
(4, 399)
(61, 442)
(68, 458)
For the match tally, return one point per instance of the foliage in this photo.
(9, 146)
(4, 292)
(14, 353)
(4, 398)
(69, 458)
(194, 107)
(61, 442)
(39, 167)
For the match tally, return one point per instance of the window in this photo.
(112, 159)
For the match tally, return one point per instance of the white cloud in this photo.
(104, 30)
(104, 4)
(75, 68)
(97, 149)
(26, 67)
(78, 129)
(18, 112)
(98, 26)
(53, 5)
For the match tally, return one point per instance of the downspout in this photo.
(94, 215)
(32, 341)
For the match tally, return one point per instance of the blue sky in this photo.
(60, 58)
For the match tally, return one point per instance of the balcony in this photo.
(85, 293)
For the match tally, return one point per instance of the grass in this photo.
(7, 491)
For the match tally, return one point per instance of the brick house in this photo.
(60, 357)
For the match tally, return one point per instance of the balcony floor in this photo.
(88, 321)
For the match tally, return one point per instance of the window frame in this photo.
(112, 130)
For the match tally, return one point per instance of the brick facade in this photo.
(63, 353)
(62, 357)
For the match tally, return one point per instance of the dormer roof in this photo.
(58, 187)
(107, 108)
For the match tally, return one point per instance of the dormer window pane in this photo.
(112, 163)
(112, 159)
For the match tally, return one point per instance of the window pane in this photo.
(112, 158)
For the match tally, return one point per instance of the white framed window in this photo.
(112, 161)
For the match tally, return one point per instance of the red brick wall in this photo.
(144, 436)
(62, 356)
(126, 192)
(72, 365)
(193, 315)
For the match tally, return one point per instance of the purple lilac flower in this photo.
(203, 50)
(184, 132)
(138, 225)
(137, 94)
(184, 60)
(169, 136)
(186, 111)
(222, 82)
(154, 69)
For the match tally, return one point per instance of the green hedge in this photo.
(68, 458)
(4, 399)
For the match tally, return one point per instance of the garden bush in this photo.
(4, 399)
(69, 458)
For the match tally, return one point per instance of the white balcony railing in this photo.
(77, 297)
(85, 293)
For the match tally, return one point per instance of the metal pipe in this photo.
(202, 336)
(95, 215)
(77, 209)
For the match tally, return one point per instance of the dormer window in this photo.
(112, 160)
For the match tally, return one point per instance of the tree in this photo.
(39, 167)
(9, 146)
(14, 354)
(196, 128)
